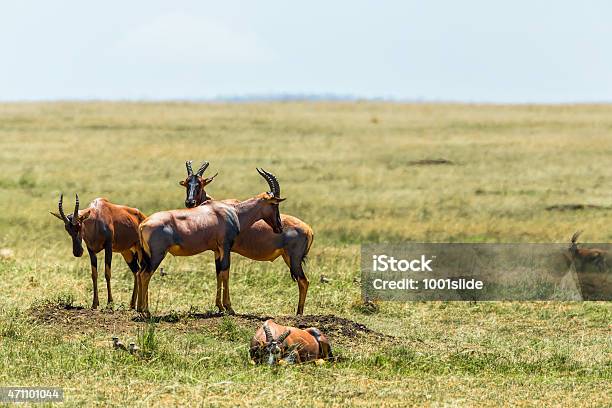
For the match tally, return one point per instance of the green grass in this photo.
(345, 169)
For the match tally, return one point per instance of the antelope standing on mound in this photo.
(585, 256)
(104, 225)
(259, 241)
(273, 344)
(212, 226)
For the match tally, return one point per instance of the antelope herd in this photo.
(253, 228)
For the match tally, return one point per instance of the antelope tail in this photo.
(144, 252)
(310, 237)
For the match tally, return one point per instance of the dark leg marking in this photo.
(93, 259)
(108, 259)
(131, 258)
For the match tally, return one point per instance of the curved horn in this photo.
(266, 177)
(60, 207)
(269, 337)
(76, 210)
(575, 236)
(189, 169)
(202, 168)
(283, 336)
(209, 179)
(272, 182)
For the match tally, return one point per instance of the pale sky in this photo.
(471, 51)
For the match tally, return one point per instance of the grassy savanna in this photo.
(346, 169)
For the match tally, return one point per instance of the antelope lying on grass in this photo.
(212, 226)
(584, 256)
(104, 225)
(274, 344)
(259, 242)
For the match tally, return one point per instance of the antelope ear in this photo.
(85, 215)
(56, 215)
(277, 200)
(182, 183)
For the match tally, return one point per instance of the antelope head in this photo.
(271, 200)
(573, 248)
(73, 223)
(194, 185)
(273, 348)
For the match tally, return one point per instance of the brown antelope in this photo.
(585, 256)
(104, 225)
(212, 226)
(259, 242)
(273, 344)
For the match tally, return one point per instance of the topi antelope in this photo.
(275, 344)
(259, 242)
(104, 225)
(213, 226)
(195, 183)
(585, 256)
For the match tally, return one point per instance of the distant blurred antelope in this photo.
(258, 241)
(104, 225)
(275, 344)
(585, 256)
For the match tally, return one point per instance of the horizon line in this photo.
(300, 97)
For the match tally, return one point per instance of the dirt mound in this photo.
(77, 319)
(330, 325)
(576, 207)
(430, 162)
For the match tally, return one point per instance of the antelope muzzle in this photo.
(192, 191)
